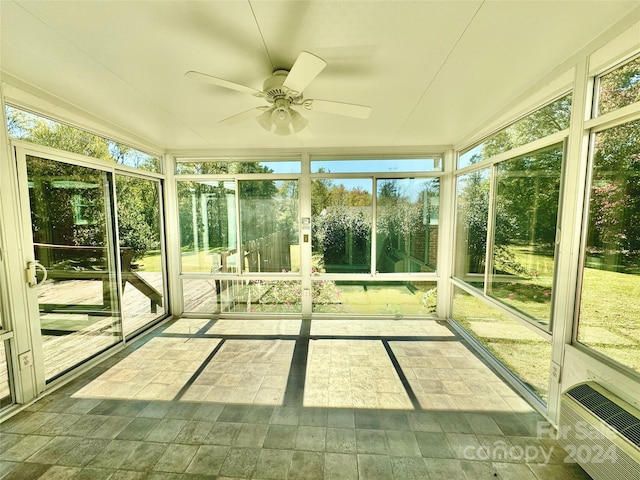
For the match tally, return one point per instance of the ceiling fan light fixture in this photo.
(264, 119)
(298, 122)
(282, 129)
(281, 117)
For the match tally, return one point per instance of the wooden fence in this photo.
(268, 254)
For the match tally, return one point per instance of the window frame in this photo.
(374, 177)
(593, 126)
(492, 164)
(503, 128)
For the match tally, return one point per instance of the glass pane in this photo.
(207, 212)
(5, 387)
(374, 298)
(545, 121)
(224, 167)
(610, 302)
(619, 88)
(6, 397)
(341, 212)
(242, 296)
(519, 349)
(372, 165)
(200, 295)
(472, 213)
(139, 230)
(72, 234)
(407, 224)
(43, 131)
(269, 225)
(527, 195)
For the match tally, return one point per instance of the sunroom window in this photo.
(610, 297)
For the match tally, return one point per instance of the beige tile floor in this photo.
(202, 399)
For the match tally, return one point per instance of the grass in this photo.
(530, 295)
(609, 320)
(201, 261)
(522, 351)
(283, 296)
(151, 262)
(382, 299)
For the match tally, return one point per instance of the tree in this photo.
(614, 209)
(549, 119)
(137, 200)
(320, 196)
(472, 218)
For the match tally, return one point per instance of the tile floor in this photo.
(204, 399)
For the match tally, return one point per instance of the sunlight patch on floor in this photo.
(352, 374)
(157, 370)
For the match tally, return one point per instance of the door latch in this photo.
(32, 268)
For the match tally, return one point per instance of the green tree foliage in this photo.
(526, 209)
(81, 189)
(218, 199)
(287, 208)
(320, 196)
(620, 87)
(472, 218)
(614, 210)
(341, 224)
(221, 168)
(219, 203)
(138, 214)
(528, 190)
(69, 139)
(545, 121)
(266, 208)
(137, 200)
(343, 229)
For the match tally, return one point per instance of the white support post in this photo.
(446, 233)
(304, 193)
(569, 231)
(172, 233)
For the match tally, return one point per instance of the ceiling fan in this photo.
(283, 90)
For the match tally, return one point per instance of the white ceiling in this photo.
(431, 71)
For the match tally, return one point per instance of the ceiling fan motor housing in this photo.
(283, 91)
(273, 89)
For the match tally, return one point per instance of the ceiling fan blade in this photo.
(242, 116)
(339, 108)
(223, 83)
(304, 70)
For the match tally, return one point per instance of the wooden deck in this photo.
(4, 376)
(69, 337)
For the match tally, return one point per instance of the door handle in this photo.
(32, 268)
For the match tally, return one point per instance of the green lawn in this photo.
(151, 262)
(531, 293)
(610, 315)
(609, 318)
(382, 299)
(522, 351)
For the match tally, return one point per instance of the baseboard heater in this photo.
(600, 431)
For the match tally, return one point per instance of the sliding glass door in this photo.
(141, 249)
(68, 212)
(6, 396)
